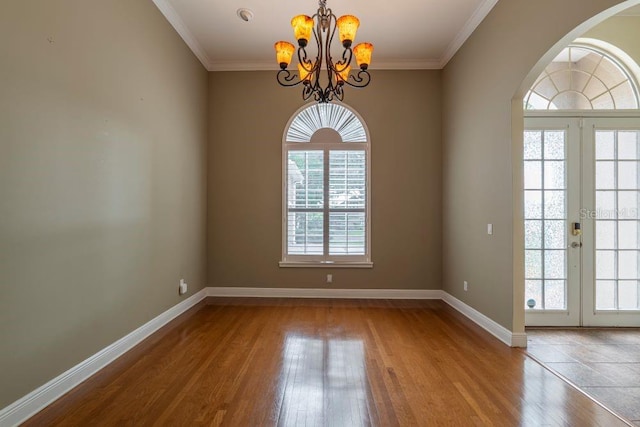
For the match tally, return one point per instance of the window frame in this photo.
(326, 260)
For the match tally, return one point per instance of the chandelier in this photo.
(311, 72)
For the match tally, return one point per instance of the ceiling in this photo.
(406, 34)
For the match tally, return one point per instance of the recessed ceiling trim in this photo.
(409, 64)
(178, 24)
(469, 27)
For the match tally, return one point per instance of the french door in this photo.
(582, 228)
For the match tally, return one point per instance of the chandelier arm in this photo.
(285, 78)
(362, 79)
(307, 92)
(314, 85)
(334, 27)
(302, 56)
(318, 36)
(346, 60)
(339, 92)
(331, 69)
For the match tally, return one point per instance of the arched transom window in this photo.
(326, 189)
(584, 77)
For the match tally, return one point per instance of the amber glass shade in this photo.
(342, 75)
(363, 52)
(284, 52)
(302, 27)
(347, 27)
(303, 72)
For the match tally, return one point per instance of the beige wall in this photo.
(102, 179)
(248, 113)
(501, 58)
(622, 32)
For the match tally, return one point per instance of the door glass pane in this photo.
(533, 174)
(533, 234)
(628, 295)
(555, 235)
(554, 294)
(554, 205)
(617, 238)
(627, 175)
(553, 145)
(628, 235)
(545, 209)
(533, 292)
(627, 146)
(605, 177)
(554, 177)
(627, 265)
(533, 204)
(628, 204)
(605, 149)
(554, 264)
(606, 235)
(606, 294)
(605, 265)
(533, 264)
(533, 145)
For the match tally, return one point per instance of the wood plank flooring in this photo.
(287, 362)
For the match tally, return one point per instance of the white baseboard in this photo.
(325, 293)
(518, 339)
(503, 334)
(32, 403)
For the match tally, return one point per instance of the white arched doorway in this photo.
(581, 190)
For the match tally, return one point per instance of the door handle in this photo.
(576, 244)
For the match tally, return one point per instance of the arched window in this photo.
(326, 188)
(585, 77)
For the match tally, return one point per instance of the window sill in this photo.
(325, 264)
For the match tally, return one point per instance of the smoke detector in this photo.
(245, 14)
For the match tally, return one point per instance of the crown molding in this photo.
(243, 66)
(409, 64)
(181, 28)
(469, 27)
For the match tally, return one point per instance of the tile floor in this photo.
(604, 363)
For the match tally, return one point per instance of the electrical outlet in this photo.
(182, 287)
(329, 278)
(466, 286)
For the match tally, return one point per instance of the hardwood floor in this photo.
(604, 363)
(285, 362)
